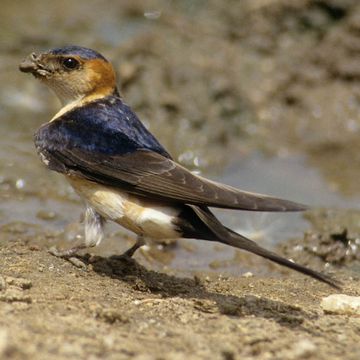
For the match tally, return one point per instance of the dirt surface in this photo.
(117, 309)
(216, 81)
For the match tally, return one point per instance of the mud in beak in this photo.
(32, 64)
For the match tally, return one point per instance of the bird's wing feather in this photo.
(105, 142)
(150, 174)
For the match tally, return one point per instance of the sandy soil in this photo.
(119, 309)
(272, 81)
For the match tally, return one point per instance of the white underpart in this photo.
(94, 227)
(157, 222)
(143, 217)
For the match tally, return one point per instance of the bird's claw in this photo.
(68, 254)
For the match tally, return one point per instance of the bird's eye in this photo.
(70, 63)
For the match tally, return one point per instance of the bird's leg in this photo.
(139, 243)
(130, 252)
(94, 224)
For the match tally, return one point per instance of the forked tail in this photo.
(218, 232)
(241, 242)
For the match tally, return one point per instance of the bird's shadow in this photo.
(149, 281)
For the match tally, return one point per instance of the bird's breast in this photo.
(142, 216)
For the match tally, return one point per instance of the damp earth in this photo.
(263, 95)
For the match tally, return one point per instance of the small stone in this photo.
(341, 304)
(77, 262)
(248, 274)
(303, 349)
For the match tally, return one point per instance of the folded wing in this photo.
(150, 174)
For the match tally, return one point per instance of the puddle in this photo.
(289, 178)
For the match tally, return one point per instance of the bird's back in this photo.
(104, 126)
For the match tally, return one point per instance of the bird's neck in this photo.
(72, 103)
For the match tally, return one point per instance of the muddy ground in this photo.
(215, 81)
(119, 310)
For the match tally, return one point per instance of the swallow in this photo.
(123, 173)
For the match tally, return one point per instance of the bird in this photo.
(123, 173)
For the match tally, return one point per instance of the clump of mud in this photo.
(333, 242)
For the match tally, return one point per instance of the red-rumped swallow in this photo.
(123, 173)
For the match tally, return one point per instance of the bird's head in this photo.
(72, 72)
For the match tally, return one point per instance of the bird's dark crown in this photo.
(83, 52)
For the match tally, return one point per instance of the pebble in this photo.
(303, 349)
(248, 274)
(78, 263)
(341, 304)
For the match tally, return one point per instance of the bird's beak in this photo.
(33, 64)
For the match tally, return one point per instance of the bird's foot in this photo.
(69, 255)
(128, 254)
